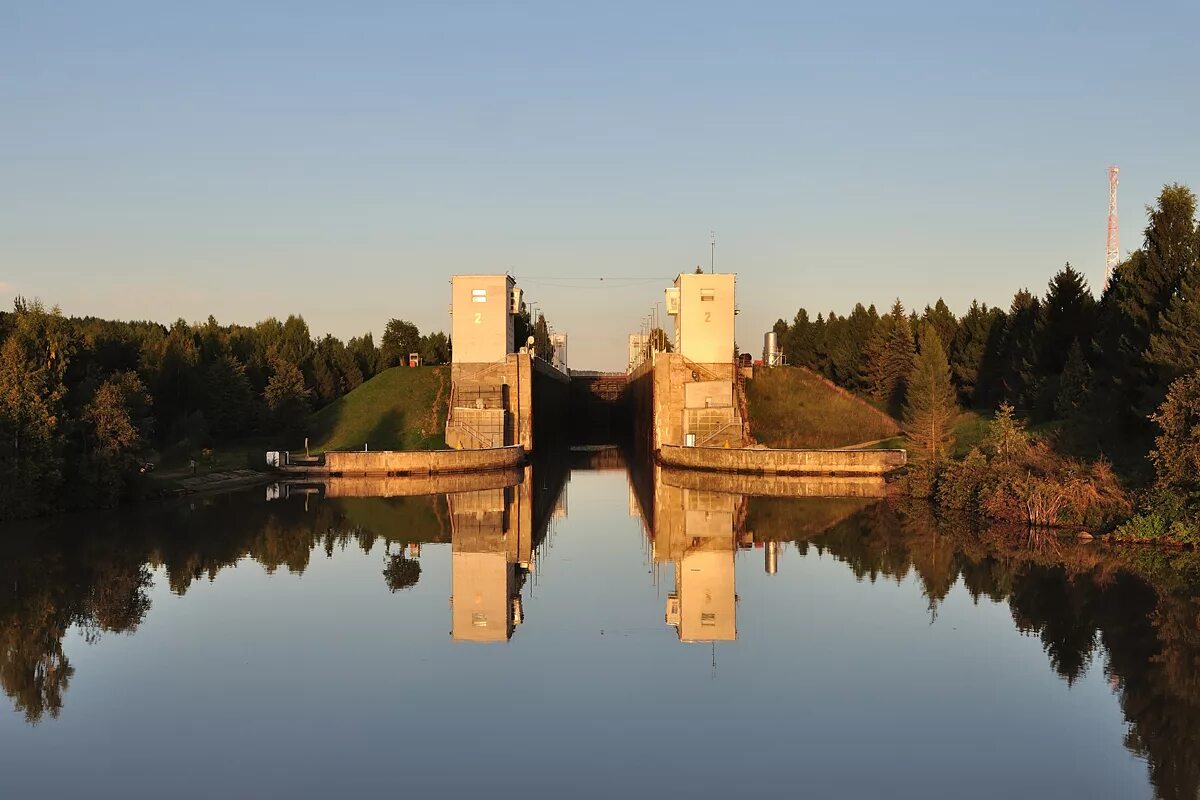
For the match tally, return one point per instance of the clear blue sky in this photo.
(341, 160)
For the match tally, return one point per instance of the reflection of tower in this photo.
(492, 550)
(696, 530)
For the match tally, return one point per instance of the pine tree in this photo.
(942, 319)
(1175, 348)
(800, 348)
(974, 341)
(1018, 350)
(1068, 314)
(1141, 289)
(931, 405)
(1075, 383)
(890, 354)
(1006, 439)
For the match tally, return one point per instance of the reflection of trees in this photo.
(400, 572)
(54, 577)
(1138, 608)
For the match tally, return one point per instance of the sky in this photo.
(343, 160)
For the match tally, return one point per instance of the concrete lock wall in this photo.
(660, 389)
(492, 404)
(415, 462)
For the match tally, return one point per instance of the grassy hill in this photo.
(398, 409)
(792, 407)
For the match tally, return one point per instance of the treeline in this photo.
(1119, 373)
(82, 400)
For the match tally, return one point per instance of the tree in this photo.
(890, 357)
(942, 319)
(1006, 439)
(1075, 383)
(435, 348)
(974, 350)
(118, 421)
(229, 398)
(1176, 453)
(1018, 354)
(34, 358)
(659, 341)
(286, 395)
(542, 346)
(366, 355)
(1141, 289)
(1067, 315)
(930, 406)
(1175, 347)
(400, 338)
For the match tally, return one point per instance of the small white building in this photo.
(559, 342)
(482, 310)
(703, 305)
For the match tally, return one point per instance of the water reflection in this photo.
(1135, 613)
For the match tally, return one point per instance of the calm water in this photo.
(581, 633)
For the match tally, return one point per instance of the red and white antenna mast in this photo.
(1112, 250)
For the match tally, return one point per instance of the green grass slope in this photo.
(398, 409)
(792, 407)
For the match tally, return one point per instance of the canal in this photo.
(583, 630)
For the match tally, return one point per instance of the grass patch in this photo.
(398, 409)
(970, 429)
(791, 407)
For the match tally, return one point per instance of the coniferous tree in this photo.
(229, 398)
(890, 354)
(1175, 347)
(1074, 384)
(800, 347)
(1067, 315)
(969, 352)
(1176, 454)
(942, 319)
(542, 347)
(1018, 350)
(931, 403)
(1140, 290)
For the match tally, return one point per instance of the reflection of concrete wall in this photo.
(492, 546)
(705, 586)
(792, 462)
(697, 531)
(778, 485)
(482, 585)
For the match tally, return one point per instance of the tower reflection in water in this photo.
(495, 536)
(492, 541)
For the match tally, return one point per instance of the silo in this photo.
(770, 350)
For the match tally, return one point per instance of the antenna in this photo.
(1112, 250)
(712, 250)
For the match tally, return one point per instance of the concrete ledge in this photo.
(867, 486)
(784, 462)
(406, 485)
(358, 463)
